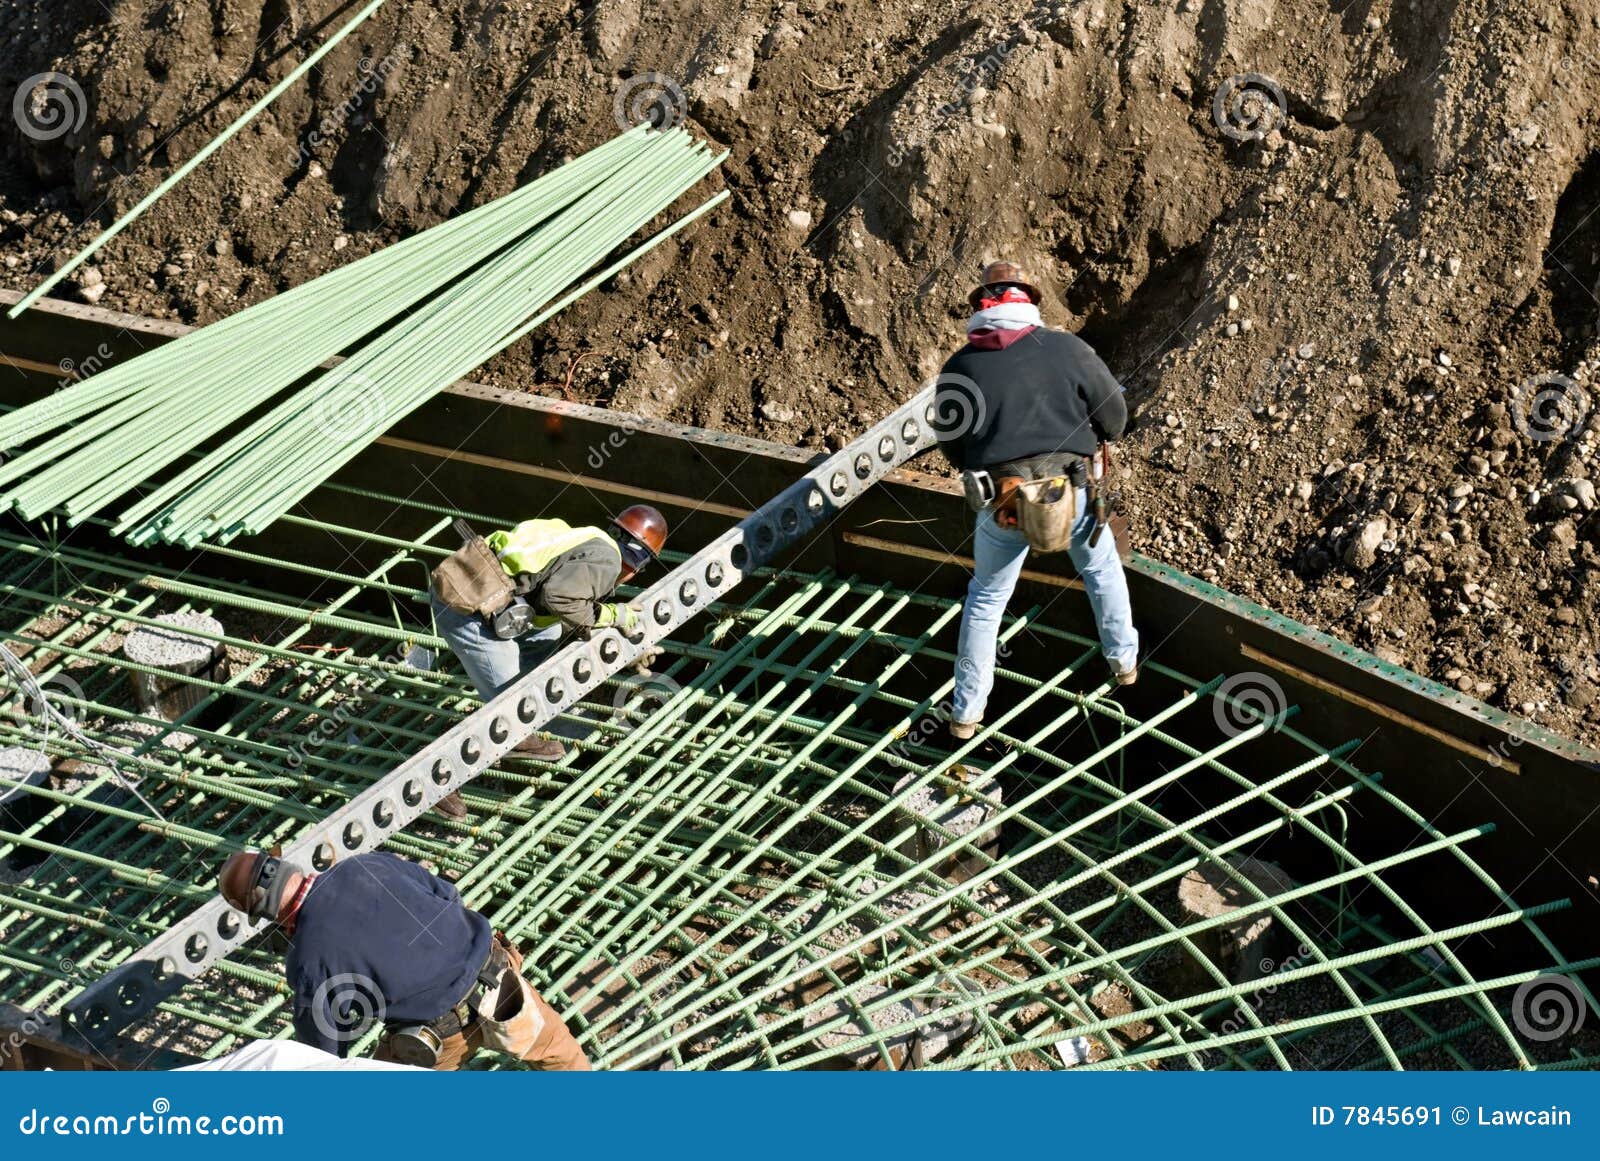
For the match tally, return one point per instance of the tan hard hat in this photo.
(1000, 273)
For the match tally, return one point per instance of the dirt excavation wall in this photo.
(1343, 254)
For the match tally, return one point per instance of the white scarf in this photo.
(1008, 316)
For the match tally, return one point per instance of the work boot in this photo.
(1124, 676)
(963, 731)
(540, 749)
(451, 806)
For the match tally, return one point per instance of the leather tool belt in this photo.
(419, 1044)
(1039, 496)
(471, 579)
(1068, 464)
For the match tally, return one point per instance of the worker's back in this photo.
(382, 936)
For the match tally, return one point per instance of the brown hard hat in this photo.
(237, 879)
(1002, 273)
(644, 524)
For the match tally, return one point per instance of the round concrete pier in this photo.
(172, 646)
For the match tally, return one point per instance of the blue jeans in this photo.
(491, 664)
(1000, 553)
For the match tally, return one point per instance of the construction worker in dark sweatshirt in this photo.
(505, 601)
(376, 939)
(1022, 403)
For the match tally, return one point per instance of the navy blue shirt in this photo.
(1047, 392)
(379, 937)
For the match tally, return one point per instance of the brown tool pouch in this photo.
(472, 581)
(1046, 510)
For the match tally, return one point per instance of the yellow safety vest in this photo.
(533, 544)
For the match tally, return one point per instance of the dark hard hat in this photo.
(644, 524)
(237, 878)
(255, 882)
(1000, 274)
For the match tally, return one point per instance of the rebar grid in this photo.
(726, 870)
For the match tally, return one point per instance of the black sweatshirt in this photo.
(1047, 392)
(376, 931)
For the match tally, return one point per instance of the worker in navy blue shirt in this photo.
(1021, 402)
(377, 939)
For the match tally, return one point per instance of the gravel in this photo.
(21, 766)
(900, 1016)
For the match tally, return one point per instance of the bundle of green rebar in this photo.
(419, 314)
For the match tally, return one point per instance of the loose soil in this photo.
(1358, 326)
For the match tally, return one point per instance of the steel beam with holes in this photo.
(189, 949)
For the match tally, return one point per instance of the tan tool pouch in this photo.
(472, 581)
(517, 1021)
(1046, 510)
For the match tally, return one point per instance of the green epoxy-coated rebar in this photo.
(736, 868)
(194, 162)
(430, 309)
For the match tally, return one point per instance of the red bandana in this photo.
(1009, 294)
(295, 902)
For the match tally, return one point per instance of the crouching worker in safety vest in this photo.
(377, 939)
(1023, 411)
(504, 601)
